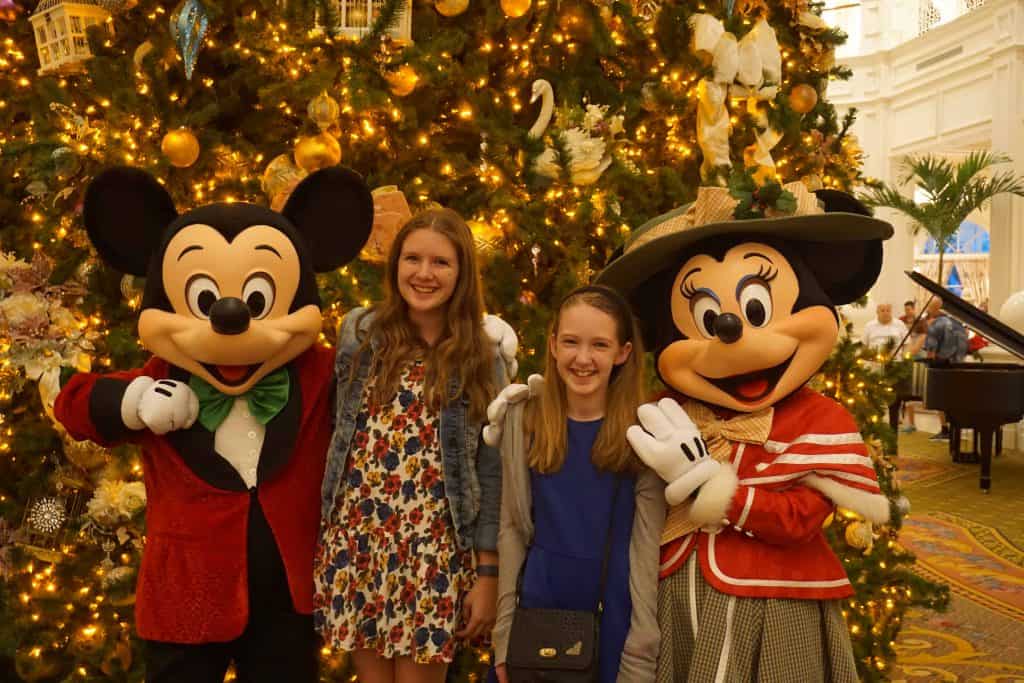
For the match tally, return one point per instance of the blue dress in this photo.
(572, 509)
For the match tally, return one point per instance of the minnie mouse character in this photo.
(741, 314)
(233, 414)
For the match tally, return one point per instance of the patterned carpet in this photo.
(973, 542)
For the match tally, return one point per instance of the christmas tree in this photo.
(554, 127)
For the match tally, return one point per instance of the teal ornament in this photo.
(729, 5)
(189, 22)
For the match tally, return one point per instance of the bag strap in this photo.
(604, 560)
(607, 546)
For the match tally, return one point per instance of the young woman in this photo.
(410, 493)
(569, 476)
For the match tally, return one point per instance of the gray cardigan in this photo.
(640, 654)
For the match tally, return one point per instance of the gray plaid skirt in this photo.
(728, 639)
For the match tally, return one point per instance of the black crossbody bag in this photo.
(557, 645)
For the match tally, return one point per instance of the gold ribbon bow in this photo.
(717, 205)
(748, 69)
(719, 435)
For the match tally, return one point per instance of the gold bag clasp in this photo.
(547, 652)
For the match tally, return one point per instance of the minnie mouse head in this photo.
(741, 312)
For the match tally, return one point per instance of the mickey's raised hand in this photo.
(670, 444)
(159, 405)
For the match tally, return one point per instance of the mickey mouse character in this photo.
(233, 414)
(742, 315)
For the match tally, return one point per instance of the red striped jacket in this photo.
(772, 544)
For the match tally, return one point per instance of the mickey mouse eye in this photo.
(201, 293)
(258, 295)
(705, 311)
(756, 304)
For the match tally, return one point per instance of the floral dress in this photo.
(390, 577)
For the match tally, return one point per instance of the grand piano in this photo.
(982, 396)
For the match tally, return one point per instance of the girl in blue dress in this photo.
(568, 476)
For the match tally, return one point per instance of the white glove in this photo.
(510, 395)
(672, 446)
(504, 337)
(159, 405)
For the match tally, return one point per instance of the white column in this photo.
(1007, 227)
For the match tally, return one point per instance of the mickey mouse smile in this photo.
(753, 386)
(232, 375)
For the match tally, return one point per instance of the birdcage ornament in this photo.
(60, 32)
(355, 18)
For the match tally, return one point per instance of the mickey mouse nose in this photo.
(229, 315)
(728, 327)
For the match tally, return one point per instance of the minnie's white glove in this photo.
(672, 446)
(159, 405)
(510, 395)
(504, 337)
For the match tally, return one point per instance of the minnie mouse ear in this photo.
(125, 213)
(333, 210)
(836, 200)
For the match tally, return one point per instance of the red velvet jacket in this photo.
(773, 545)
(193, 582)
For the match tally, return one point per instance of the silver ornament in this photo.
(47, 515)
(903, 505)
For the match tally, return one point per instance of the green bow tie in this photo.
(266, 399)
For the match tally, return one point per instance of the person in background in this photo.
(909, 313)
(915, 350)
(946, 341)
(883, 330)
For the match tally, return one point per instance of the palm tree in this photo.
(953, 192)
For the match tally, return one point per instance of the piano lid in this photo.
(978, 320)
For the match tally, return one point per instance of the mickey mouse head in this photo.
(230, 290)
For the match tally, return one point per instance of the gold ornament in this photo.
(527, 298)
(140, 53)
(281, 175)
(33, 663)
(314, 152)
(323, 110)
(402, 81)
(828, 520)
(802, 98)
(514, 9)
(390, 212)
(812, 181)
(180, 147)
(84, 454)
(487, 237)
(9, 10)
(858, 534)
(89, 640)
(118, 660)
(450, 8)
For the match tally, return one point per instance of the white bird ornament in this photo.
(588, 157)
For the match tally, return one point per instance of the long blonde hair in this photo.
(462, 355)
(546, 418)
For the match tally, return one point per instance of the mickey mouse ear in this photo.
(125, 213)
(333, 209)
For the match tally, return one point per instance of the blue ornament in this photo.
(189, 22)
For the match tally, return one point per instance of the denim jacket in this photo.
(471, 469)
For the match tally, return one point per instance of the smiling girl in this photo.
(571, 483)
(411, 493)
